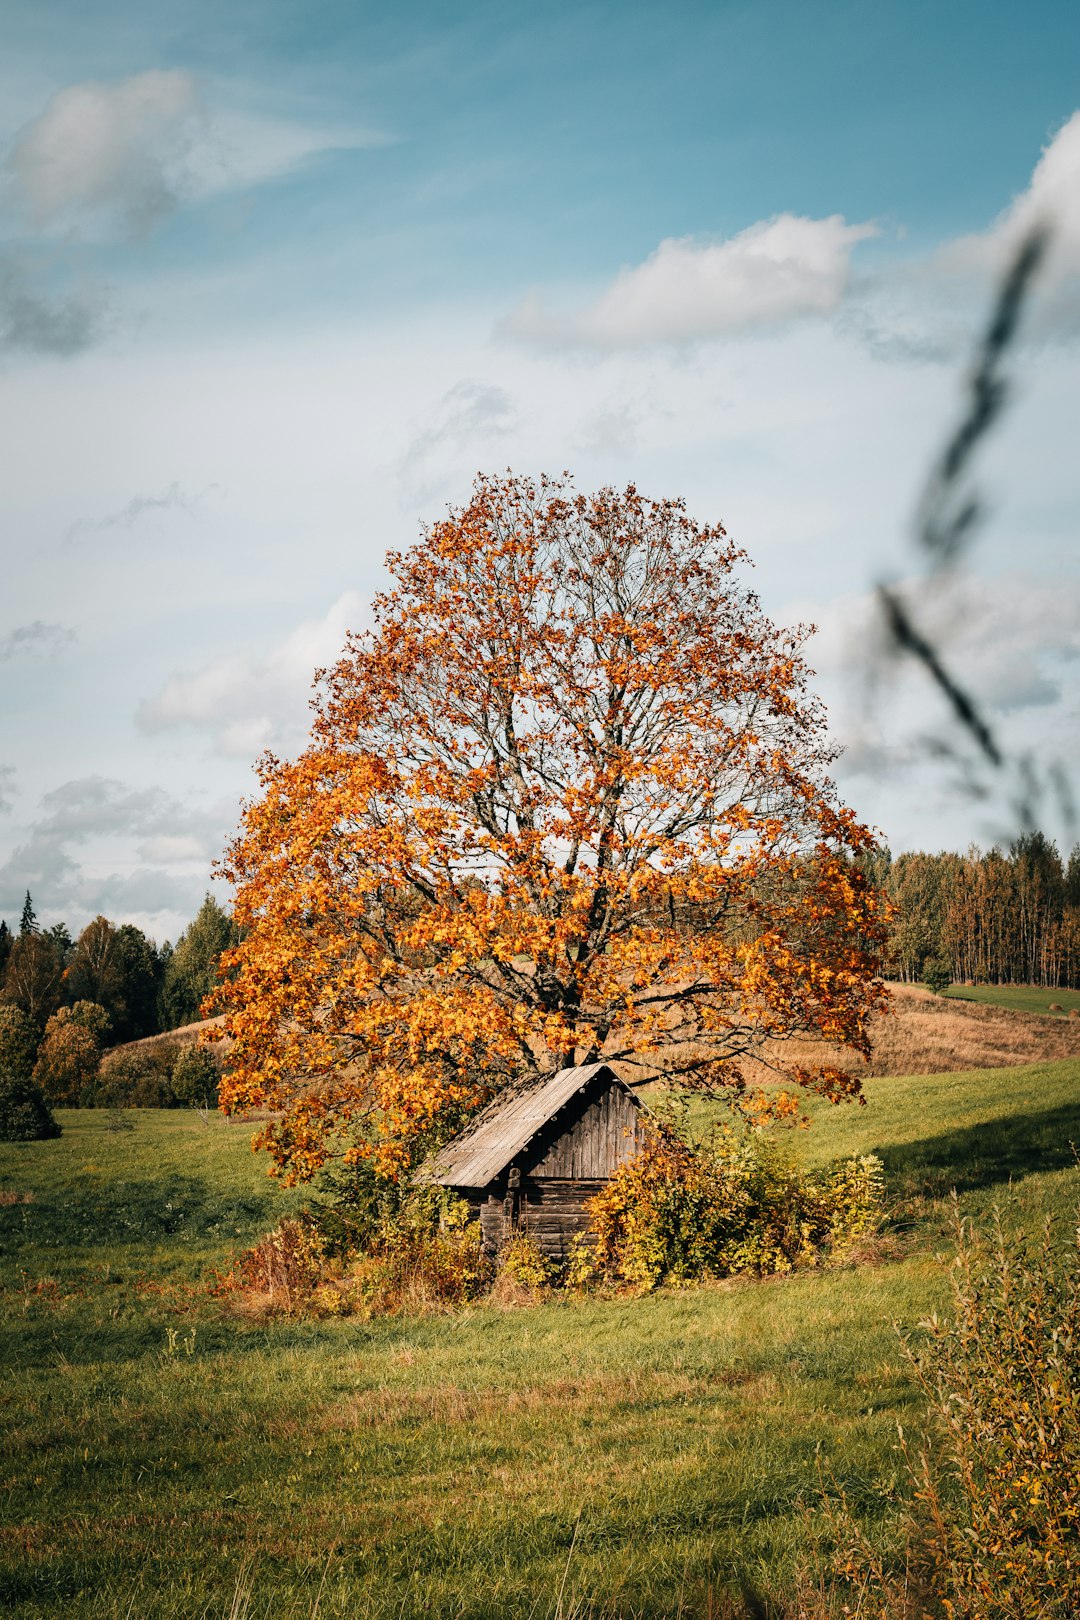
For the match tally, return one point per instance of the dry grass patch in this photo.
(926, 1034)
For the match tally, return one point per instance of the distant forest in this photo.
(999, 917)
(142, 987)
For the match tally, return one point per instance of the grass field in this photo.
(606, 1457)
(1029, 998)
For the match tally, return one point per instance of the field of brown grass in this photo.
(927, 1034)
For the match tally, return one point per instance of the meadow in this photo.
(166, 1457)
(1026, 998)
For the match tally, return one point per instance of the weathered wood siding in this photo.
(552, 1212)
(588, 1140)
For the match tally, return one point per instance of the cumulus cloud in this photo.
(117, 149)
(247, 703)
(34, 322)
(690, 289)
(37, 639)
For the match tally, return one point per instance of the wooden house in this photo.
(534, 1158)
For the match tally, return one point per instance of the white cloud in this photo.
(7, 783)
(130, 151)
(117, 148)
(690, 289)
(1051, 200)
(248, 703)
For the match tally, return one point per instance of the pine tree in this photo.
(28, 921)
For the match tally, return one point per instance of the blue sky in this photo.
(276, 280)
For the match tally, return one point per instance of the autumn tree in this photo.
(70, 1053)
(569, 798)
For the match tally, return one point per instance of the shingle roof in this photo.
(506, 1126)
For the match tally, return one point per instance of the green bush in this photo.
(738, 1204)
(25, 1116)
(194, 1077)
(990, 1527)
(18, 1042)
(134, 1077)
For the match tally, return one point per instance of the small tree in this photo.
(18, 1042)
(569, 799)
(70, 1054)
(937, 975)
(195, 1076)
(28, 920)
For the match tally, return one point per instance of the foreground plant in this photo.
(568, 798)
(992, 1531)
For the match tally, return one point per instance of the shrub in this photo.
(738, 1204)
(426, 1256)
(991, 1530)
(18, 1042)
(135, 1077)
(194, 1077)
(521, 1262)
(429, 1257)
(937, 975)
(25, 1116)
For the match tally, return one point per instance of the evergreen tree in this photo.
(28, 920)
(62, 942)
(190, 971)
(5, 947)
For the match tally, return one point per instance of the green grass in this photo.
(1029, 998)
(164, 1458)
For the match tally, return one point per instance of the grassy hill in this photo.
(164, 1458)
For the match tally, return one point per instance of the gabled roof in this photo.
(507, 1125)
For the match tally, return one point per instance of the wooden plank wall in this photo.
(552, 1212)
(591, 1147)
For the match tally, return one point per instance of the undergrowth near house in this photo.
(737, 1204)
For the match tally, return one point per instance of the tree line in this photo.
(987, 917)
(142, 988)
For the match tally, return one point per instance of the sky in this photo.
(277, 280)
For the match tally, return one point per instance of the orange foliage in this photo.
(567, 799)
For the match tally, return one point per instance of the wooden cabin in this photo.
(534, 1158)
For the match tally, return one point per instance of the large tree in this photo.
(569, 798)
(119, 969)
